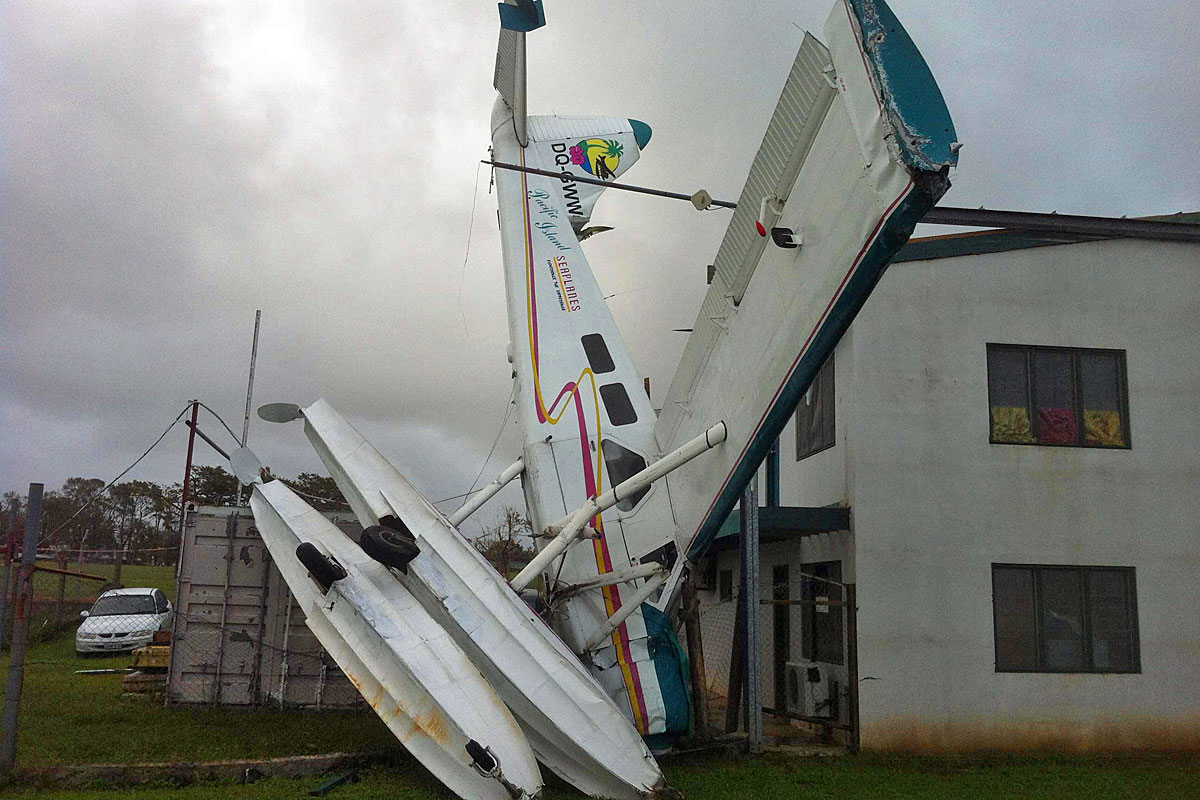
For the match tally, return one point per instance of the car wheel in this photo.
(389, 547)
(325, 571)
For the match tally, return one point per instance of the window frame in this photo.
(1076, 389)
(831, 379)
(1130, 574)
(724, 596)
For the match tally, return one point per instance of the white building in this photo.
(1015, 436)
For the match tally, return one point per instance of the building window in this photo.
(725, 585)
(1057, 396)
(821, 634)
(1065, 619)
(814, 415)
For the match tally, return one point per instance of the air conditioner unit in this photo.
(807, 689)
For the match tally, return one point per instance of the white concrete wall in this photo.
(934, 504)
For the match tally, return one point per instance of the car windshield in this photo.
(115, 604)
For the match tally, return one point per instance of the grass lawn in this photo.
(45, 584)
(777, 776)
(74, 719)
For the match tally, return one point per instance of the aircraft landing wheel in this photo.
(324, 571)
(389, 547)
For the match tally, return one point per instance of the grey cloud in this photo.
(174, 167)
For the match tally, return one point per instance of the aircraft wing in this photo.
(859, 149)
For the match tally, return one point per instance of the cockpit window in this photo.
(621, 463)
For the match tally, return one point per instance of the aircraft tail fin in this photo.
(601, 148)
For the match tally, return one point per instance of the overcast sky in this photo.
(170, 167)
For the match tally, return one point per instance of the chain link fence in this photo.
(64, 585)
(804, 653)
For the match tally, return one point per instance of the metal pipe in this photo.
(71, 573)
(665, 465)
(20, 634)
(1064, 223)
(752, 592)
(487, 493)
(626, 187)
(207, 440)
(249, 391)
(596, 505)
(250, 383)
(628, 607)
(611, 579)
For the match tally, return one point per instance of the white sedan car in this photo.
(121, 620)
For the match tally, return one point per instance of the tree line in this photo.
(141, 518)
(138, 521)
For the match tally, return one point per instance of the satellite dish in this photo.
(246, 466)
(280, 412)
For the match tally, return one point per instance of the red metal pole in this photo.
(187, 481)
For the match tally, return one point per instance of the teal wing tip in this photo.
(914, 100)
(525, 16)
(641, 132)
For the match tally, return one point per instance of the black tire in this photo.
(389, 547)
(324, 572)
(480, 755)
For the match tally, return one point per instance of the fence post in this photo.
(752, 590)
(60, 604)
(20, 638)
(5, 569)
(695, 645)
(851, 596)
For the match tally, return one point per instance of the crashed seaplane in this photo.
(474, 683)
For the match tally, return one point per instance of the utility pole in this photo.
(20, 637)
(187, 482)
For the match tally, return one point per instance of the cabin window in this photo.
(1065, 619)
(814, 414)
(621, 463)
(598, 356)
(725, 586)
(617, 403)
(1057, 396)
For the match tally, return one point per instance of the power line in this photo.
(92, 499)
(496, 441)
(218, 416)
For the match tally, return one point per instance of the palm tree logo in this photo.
(600, 157)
